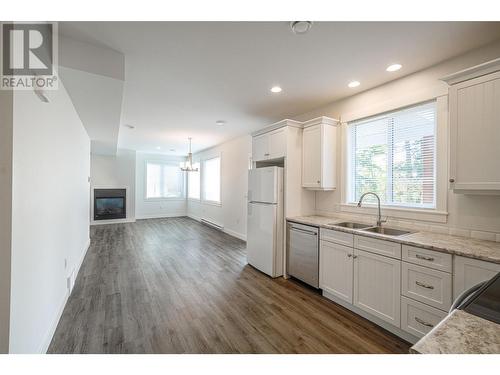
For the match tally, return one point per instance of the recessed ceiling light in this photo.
(158, 147)
(220, 122)
(393, 67)
(353, 84)
(130, 126)
(276, 89)
(300, 27)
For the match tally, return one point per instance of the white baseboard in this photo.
(159, 216)
(227, 231)
(52, 329)
(114, 221)
(235, 234)
(50, 333)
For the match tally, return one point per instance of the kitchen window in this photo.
(211, 180)
(394, 155)
(164, 180)
(194, 183)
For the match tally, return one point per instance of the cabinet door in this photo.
(277, 144)
(336, 269)
(469, 272)
(475, 134)
(377, 285)
(311, 157)
(260, 147)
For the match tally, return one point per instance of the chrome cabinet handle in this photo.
(418, 256)
(266, 154)
(354, 256)
(349, 255)
(423, 322)
(424, 285)
(452, 180)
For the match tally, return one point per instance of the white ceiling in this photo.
(181, 77)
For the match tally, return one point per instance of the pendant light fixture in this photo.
(188, 165)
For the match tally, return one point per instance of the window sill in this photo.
(197, 200)
(152, 200)
(212, 203)
(431, 215)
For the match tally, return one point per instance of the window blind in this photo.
(393, 155)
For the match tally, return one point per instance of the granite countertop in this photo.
(464, 246)
(461, 333)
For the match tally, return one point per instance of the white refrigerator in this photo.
(265, 220)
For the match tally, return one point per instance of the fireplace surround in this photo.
(110, 204)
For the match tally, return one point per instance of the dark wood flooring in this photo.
(177, 286)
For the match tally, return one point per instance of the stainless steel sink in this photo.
(387, 231)
(351, 225)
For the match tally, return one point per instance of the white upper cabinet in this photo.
(260, 147)
(319, 142)
(474, 97)
(277, 143)
(271, 142)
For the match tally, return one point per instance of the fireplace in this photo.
(110, 204)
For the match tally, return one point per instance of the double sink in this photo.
(369, 228)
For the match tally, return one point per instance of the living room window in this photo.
(164, 180)
(194, 182)
(394, 155)
(211, 180)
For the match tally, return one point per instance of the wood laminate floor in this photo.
(177, 286)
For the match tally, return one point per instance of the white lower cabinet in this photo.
(427, 285)
(469, 272)
(377, 285)
(336, 270)
(417, 318)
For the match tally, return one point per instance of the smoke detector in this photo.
(300, 27)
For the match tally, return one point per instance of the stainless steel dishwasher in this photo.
(303, 253)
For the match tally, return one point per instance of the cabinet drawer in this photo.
(428, 258)
(342, 238)
(374, 245)
(427, 285)
(417, 318)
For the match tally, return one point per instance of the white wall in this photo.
(465, 212)
(232, 212)
(6, 117)
(116, 172)
(50, 220)
(147, 209)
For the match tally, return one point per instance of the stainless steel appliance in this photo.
(303, 253)
(482, 300)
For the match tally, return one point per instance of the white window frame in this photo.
(202, 185)
(438, 214)
(145, 181)
(187, 182)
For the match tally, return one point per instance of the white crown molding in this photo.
(473, 72)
